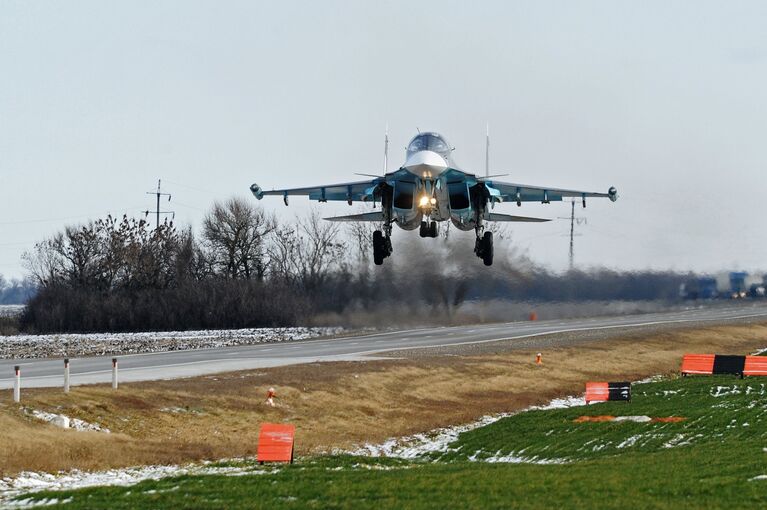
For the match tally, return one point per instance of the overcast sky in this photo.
(667, 101)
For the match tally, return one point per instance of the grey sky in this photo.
(665, 100)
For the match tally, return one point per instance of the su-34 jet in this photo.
(430, 188)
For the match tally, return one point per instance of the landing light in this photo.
(424, 201)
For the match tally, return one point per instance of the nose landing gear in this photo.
(428, 229)
(483, 247)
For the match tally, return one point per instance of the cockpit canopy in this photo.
(429, 142)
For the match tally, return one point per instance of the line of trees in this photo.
(246, 269)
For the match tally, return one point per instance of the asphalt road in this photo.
(176, 364)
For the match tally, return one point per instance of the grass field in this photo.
(715, 458)
(333, 405)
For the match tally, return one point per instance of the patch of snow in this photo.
(95, 344)
(439, 440)
(63, 421)
(652, 379)
(637, 419)
(420, 444)
(559, 403)
(512, 458)
(31, 503)
(680, 440)
(758, 477)
(600, 447)
(11, 310)
(630, 441)
(723, 391)
(377, 467)
(29, 482)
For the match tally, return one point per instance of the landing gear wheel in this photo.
(433, 229)
(487, 248)
(424, 230)
(379, 247)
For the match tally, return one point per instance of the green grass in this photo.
(715, 454)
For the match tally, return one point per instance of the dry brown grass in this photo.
(332, 404)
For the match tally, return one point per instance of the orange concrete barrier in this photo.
(698, 364)
(275, 443)
(755, 365)
(604, 391)
(717, 364)
(597, 392)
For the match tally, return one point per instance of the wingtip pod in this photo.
(612, 193)
(257, 191)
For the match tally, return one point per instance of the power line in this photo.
(62, 218)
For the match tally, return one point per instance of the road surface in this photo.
(176, 364)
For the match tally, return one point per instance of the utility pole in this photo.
(572, 231)
(573, 222)
(158, 212)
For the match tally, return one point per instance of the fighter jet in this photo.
(430, 188)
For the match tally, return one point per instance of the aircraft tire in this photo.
(378, 247)
(487, 248)
(433, 229)
(423, 231)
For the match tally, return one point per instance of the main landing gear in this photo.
(484, 248)
(381, 247)
(428, 229)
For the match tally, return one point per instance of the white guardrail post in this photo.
(114, 373)
(17, 384)
(66, 375)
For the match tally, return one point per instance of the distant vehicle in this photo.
(725, 285)
(699, 288)
(429, 188)
(757, 290)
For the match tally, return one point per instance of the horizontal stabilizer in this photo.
(509, 217)
(370, 216)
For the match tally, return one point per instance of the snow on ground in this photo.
(439, 440)
(27, 482)
(515, 458)
(95, 344)
(64, 421)
(11, 310)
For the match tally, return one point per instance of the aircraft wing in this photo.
(490, 216)
(511, 192)
(370, 216)
(346, 191)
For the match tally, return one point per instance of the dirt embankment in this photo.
(332, 404)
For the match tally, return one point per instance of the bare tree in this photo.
(308, 252)
(361, 235)
(235, 233)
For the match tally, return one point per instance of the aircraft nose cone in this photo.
(425, 163)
